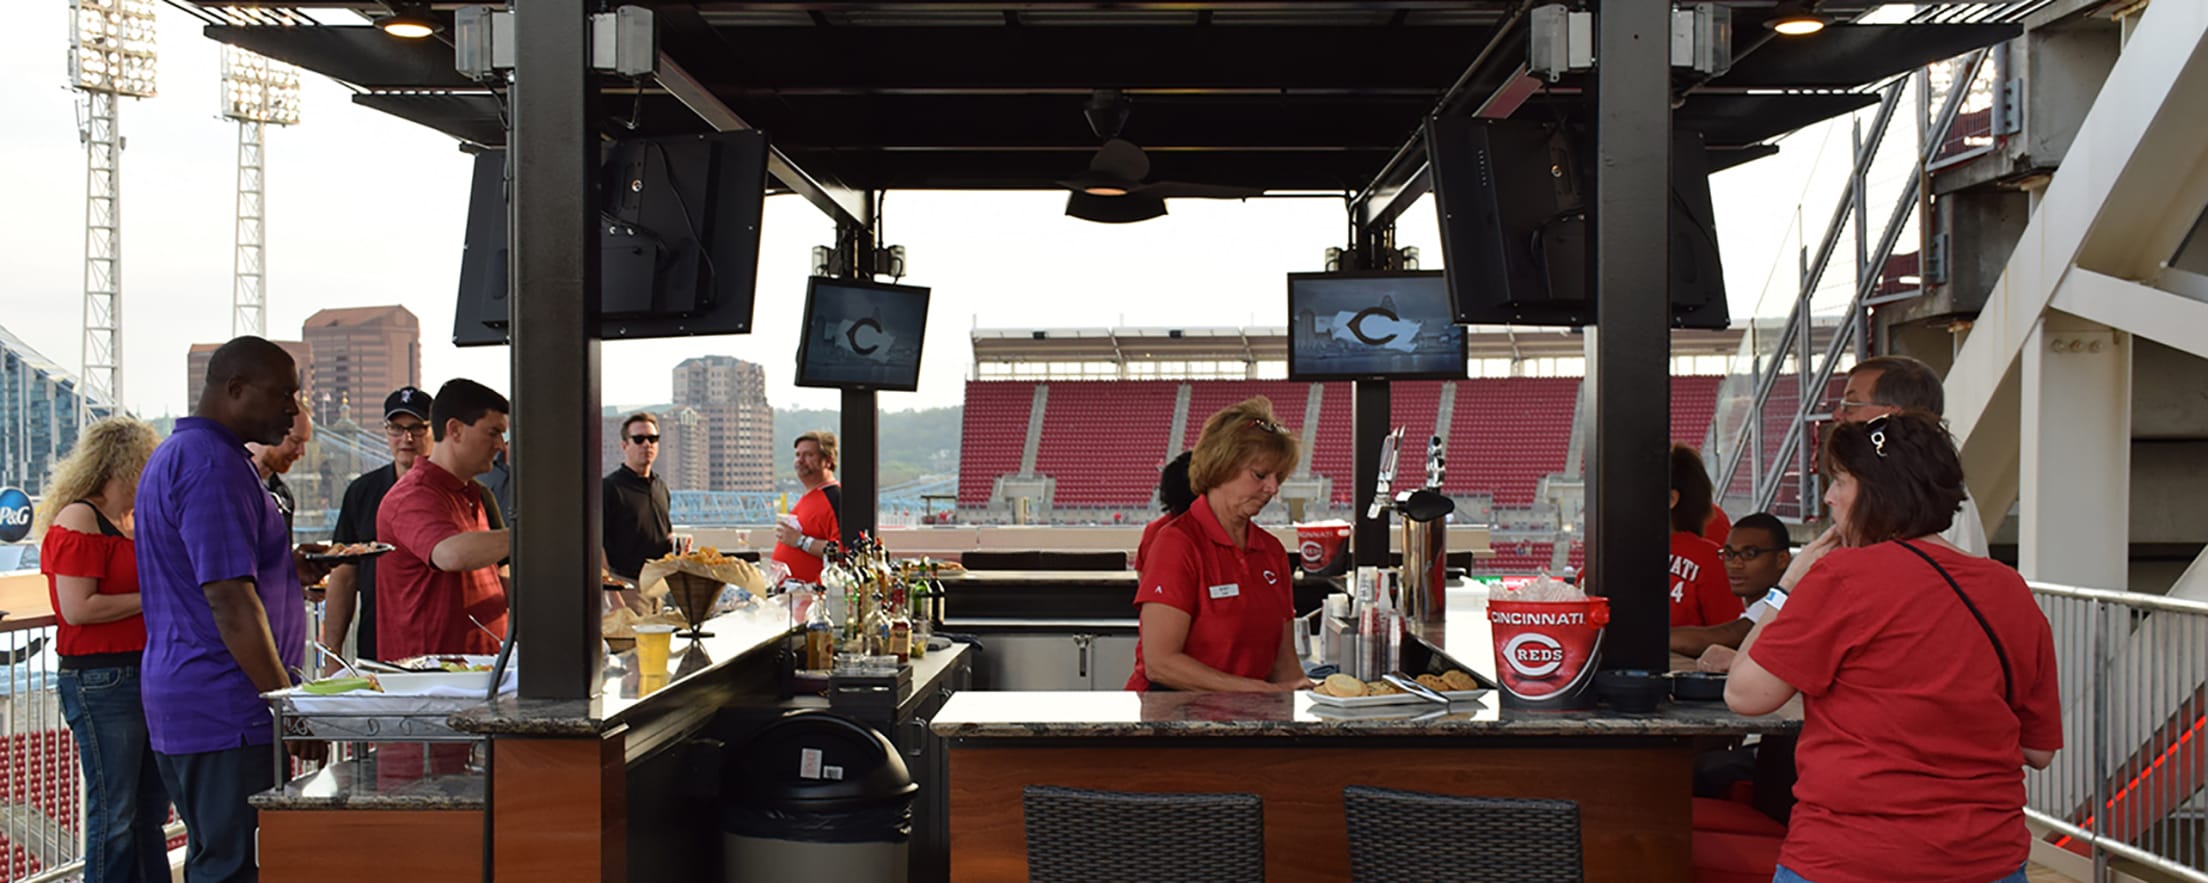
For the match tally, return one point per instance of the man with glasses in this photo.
(1756, 552)
(352, 587)
(636, 520)
(272, 461)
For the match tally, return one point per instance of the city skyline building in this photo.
(730, 395)
(361, 355)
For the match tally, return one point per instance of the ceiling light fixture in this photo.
(409, 23)
(1793, 18)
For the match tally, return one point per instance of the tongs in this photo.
(1415, 688)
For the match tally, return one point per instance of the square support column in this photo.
(2075, 527)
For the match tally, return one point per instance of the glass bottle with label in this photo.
(820, 634)
(900, 626)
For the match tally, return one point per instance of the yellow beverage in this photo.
(652, 643)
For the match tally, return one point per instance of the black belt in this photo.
(125, 659)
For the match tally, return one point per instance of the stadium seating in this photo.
(993, 433)
(1104, 440)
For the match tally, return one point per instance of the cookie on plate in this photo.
(1433, 682)
(1458, 679)
(1342, 685)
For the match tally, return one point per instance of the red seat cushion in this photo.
(1725, 816)
(1722, 857)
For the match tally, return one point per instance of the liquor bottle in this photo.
(820, 634)
(921, 628)
(900, 627)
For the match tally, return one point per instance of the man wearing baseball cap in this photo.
(352, 587)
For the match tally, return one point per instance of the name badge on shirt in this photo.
(1226, 591)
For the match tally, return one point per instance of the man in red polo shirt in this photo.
(799, 546)
(444, 569)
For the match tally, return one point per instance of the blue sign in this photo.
(15, 515)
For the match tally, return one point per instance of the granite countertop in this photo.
(733, 635)
(1017, 715)
(389, 778)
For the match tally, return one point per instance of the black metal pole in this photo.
(1631, 374)
(1369, 542)
(554, 248)
(859, 464)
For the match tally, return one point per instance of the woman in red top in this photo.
(1700, 594)
(1174, 495)
(92, 578)
(1215, 595)
(1927, 677)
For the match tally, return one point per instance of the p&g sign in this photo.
(15, 515)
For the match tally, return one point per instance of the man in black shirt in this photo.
(636, 520)
(406, 432)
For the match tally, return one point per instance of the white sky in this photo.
(363, 208)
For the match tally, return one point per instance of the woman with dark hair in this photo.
(1214, 595)
(1174, 496)
(1700, 595)
(1927, 677)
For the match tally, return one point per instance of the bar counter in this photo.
(1631, 774)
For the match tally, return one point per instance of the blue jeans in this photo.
(211, 791)
(124, 801)
(1787, 876)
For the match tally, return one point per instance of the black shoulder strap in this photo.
(2008, 692)
(834, 492)
(107, 527)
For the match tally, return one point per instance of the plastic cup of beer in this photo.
(652, 643)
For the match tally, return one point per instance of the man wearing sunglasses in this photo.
(636, 521)
(1756, 553)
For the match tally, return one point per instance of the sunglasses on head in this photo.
(644, 439)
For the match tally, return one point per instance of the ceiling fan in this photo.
(1115, 189)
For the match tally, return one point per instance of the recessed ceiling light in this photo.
(1794, 19)
(407, 25)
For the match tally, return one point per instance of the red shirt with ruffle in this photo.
(113, 561)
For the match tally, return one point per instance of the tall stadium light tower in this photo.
(111, 54)
(257, 93)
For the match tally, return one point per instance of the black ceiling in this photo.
(1277, 95)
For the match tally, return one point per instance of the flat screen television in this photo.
(1513, 199)
(862, 335)
(678, 239)
(1371, 326)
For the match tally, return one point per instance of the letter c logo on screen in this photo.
(15, 515)
(851, 336)
(1534, 655)
(1357, 325)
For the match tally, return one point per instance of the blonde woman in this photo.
(91, 570)
(1214, 594)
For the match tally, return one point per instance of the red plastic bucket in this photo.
(1546, 652)
(1322, 549)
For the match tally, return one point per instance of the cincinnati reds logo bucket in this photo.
(1546, 653)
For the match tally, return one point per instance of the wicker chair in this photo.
(1397, 836)
(1080, 836)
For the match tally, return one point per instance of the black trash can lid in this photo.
(815, 759)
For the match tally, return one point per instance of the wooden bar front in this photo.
(1633, 795)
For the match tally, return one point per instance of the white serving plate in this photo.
(1454, 696)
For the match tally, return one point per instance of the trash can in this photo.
(817, 791)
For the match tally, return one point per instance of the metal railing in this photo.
(2127, 788)
(41, 785)
(41, 782)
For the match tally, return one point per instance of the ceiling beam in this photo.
(1493, 85)
(849, 208)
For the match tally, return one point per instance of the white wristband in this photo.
(1776, 598)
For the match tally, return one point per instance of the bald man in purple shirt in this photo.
(225, 616)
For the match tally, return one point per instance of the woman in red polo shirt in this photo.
(1927, 677)
(92, 578)
(1214, 591)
